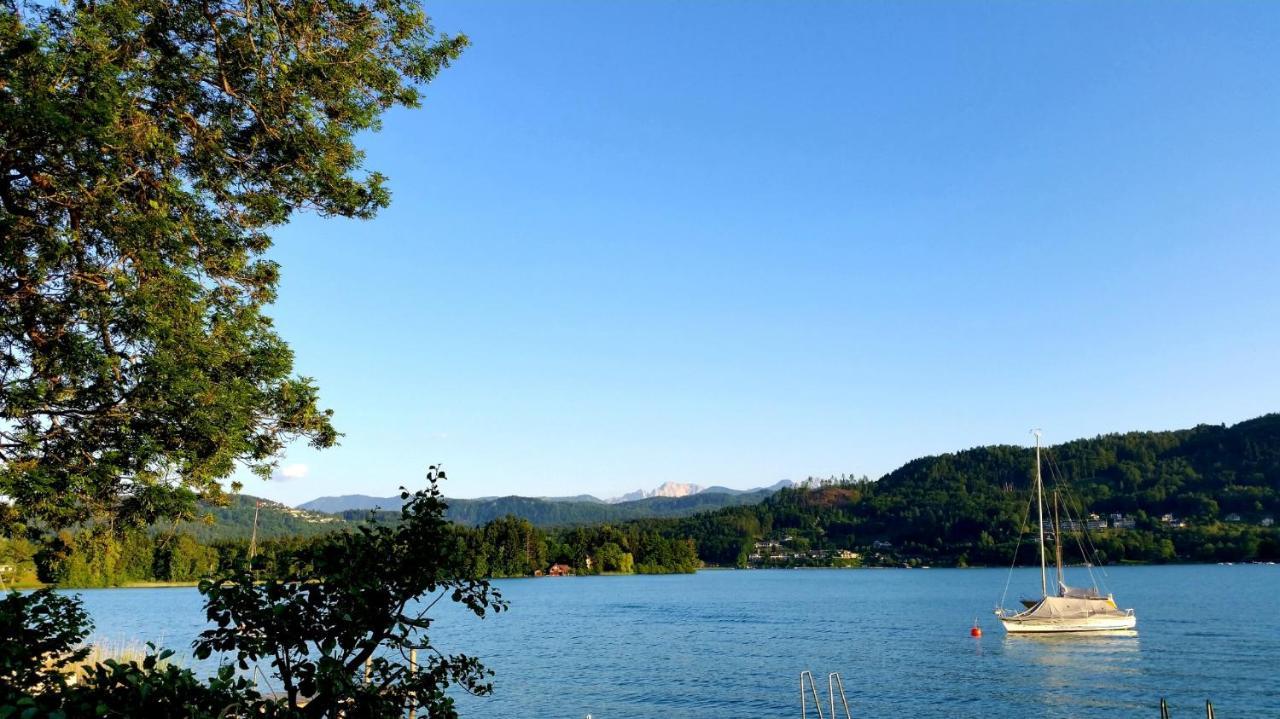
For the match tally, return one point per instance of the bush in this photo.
(348, 607)
(336, 626)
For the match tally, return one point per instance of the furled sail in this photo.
(1072, 608)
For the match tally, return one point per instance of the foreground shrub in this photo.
(335, 629)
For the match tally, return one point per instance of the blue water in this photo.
(732, 644)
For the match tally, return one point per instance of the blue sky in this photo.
(729, 243)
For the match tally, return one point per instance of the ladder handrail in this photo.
(813, 687)
(833, 681)
(1164, 709)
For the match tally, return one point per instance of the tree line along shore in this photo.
(1206, 494)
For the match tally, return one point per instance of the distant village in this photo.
(781, 552)
(786, 551)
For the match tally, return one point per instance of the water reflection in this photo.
(1062, 665)
(1082, 650)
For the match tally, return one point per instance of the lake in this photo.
(732, 643)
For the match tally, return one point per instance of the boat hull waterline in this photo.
(1058, 626)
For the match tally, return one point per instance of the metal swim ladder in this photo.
(834, 682)
(1164, 709)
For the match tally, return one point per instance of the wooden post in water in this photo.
(413, 672)
(1164, 709)
(1208, 709)
(253, 539)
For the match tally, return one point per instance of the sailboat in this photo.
(1067, 609)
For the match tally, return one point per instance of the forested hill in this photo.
(235, 521)
(364, 502)
(562, 513)
(968, 506)
(1206, 473)
(1220, 485)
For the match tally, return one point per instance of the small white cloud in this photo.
(292, 471)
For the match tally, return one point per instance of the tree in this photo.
(41, 632)
(609, 557)
(336, 625)
(147, 148)
(352, 600)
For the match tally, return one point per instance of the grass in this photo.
(20, 585)
(29, 583)
(143, 585)
(122, 652)
(24, 580)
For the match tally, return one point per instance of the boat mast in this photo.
(1057, 540)
(1044, 574)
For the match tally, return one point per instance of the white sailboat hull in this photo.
(1070, 614)
(1013, 625)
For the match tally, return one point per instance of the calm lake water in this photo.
(732, 644)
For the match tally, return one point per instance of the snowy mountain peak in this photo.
(666, 489)
(675, 489)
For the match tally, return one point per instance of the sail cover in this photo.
(1071, 608)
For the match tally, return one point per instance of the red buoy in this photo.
(976, 631)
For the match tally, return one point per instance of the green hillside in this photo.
(965, 505)
(969, 506)
(235, 521)
(569, 513)
(544, 513)
(1210, 493)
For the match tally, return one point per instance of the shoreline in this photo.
(711, 568)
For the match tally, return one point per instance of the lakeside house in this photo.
(559, 570)
(1122, 521)
(1233, 517)
(1115, 521)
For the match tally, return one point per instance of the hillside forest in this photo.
(1206, 494)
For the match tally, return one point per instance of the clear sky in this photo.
(729, 243)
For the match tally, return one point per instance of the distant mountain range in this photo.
(668, 500)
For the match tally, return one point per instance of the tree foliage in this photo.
(355, 599)
(147, 148)
(44, 636)
(334, 625)
(41, 632)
